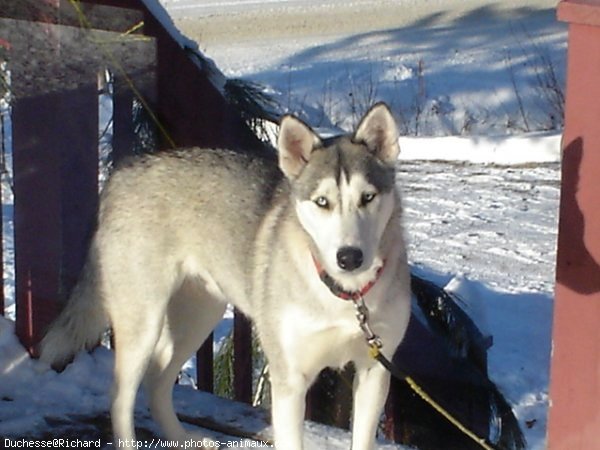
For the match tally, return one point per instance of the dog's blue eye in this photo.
(367, 198)
(322, 202)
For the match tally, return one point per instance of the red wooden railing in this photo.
(55, 52)
(574, 420)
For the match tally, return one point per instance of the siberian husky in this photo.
(181, 234)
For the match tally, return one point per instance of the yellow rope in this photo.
(375, 353)
(435, 405)
(108, 54)
(134, 28)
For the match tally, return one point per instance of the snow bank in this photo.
(520, 355)
(532, 148)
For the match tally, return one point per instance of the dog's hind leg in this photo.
(191, 316)
(133, 347)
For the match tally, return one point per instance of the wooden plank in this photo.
(62, 12)
(55, 58)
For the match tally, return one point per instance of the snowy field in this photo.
(445, 67)
(480, 206)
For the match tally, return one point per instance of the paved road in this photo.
(246, 20)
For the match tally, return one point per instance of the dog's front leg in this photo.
(288, 406)
(371, 385)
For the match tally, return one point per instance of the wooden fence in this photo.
(55, 54)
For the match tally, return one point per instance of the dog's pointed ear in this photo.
(295, 143)
(378, 131)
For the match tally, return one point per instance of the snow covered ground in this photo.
(481, 205)
(480, 209)
(485, 232)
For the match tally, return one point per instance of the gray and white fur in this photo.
(183, 233)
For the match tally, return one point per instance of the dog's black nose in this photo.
(349, 258)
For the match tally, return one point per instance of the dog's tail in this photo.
(80, 324)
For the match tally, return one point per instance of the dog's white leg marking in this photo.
(288, 407)
(193, 315)
(371, 386)
(159, 385)
(134, 346)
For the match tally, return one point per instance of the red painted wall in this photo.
(574, 422)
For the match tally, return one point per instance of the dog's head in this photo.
(343, 190)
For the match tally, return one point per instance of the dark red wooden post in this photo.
(55, 144)
(55, 193)
(204, 366)
(574, 420)
(123, 133)
(242, 360)
(55, 141)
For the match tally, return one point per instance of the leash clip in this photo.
(362, 315)
(375, 344)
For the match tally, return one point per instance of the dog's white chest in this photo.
(320, 340)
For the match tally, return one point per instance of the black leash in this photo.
(399, 374)
(374, 344)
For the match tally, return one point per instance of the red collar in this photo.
(338, 290)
